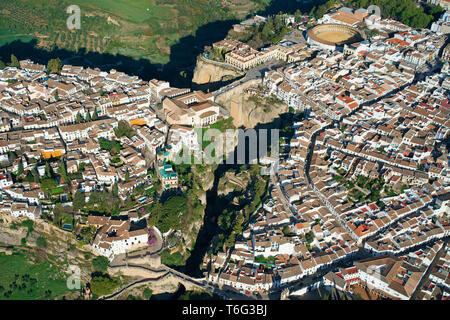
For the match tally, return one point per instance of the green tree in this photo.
(298, 15)
(100, 263)
(14, 62)
(87, 234)
(48, 170)
(63, 171)
(115, 190)
(41, 242)
(35, 174)
(124, 129)
(78, 200)
(147, 293)
(406, 11)
(54, 66)
(103, 284)
(88, 117)
(12, 156)
(61, 214)
(268, 30)
(95, 114)
(20, 168)
(286, 230)
(80, 118)
(2, 65)
(167, 215)
(48, 184)
(29, 224)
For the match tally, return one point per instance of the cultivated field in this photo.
(136, 28)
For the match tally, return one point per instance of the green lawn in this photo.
(131, 10)
(57, 190)
(6, 36)
(47, 277)
(168, 259)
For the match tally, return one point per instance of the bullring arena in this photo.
(333, 36)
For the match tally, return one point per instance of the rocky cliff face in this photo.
(205, 73)
(11, 237)
(203, 182)
(231, 182)
(247, 111)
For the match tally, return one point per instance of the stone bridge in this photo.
(147, 266)
(162, 275)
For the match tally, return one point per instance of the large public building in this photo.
(333, 36)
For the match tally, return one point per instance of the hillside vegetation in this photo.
(135, 28)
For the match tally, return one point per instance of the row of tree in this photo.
(89, 118)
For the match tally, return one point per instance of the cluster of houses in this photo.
(398, 277)
(437, 284)
(74, 117)
(244, 57)
(362, 18)
(340, 82)
(117, 235)
(378, 111)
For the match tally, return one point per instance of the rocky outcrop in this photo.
(62, 248)
(11, 237)
(247, 113)
(205, 179)
(209, 72)
(231, 182)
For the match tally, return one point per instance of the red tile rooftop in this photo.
(445, 103)
(351, 270)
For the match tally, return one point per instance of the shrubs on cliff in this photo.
(100, 263)
(167, 215)
(102, 284)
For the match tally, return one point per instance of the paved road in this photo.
(280, 194)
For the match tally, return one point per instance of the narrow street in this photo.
(441, 253)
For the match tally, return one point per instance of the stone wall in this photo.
(208, 72)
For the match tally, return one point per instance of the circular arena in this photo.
(333, 36)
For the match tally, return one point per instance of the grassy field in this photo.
(6, 36)
(28, 280)
(136, 11)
